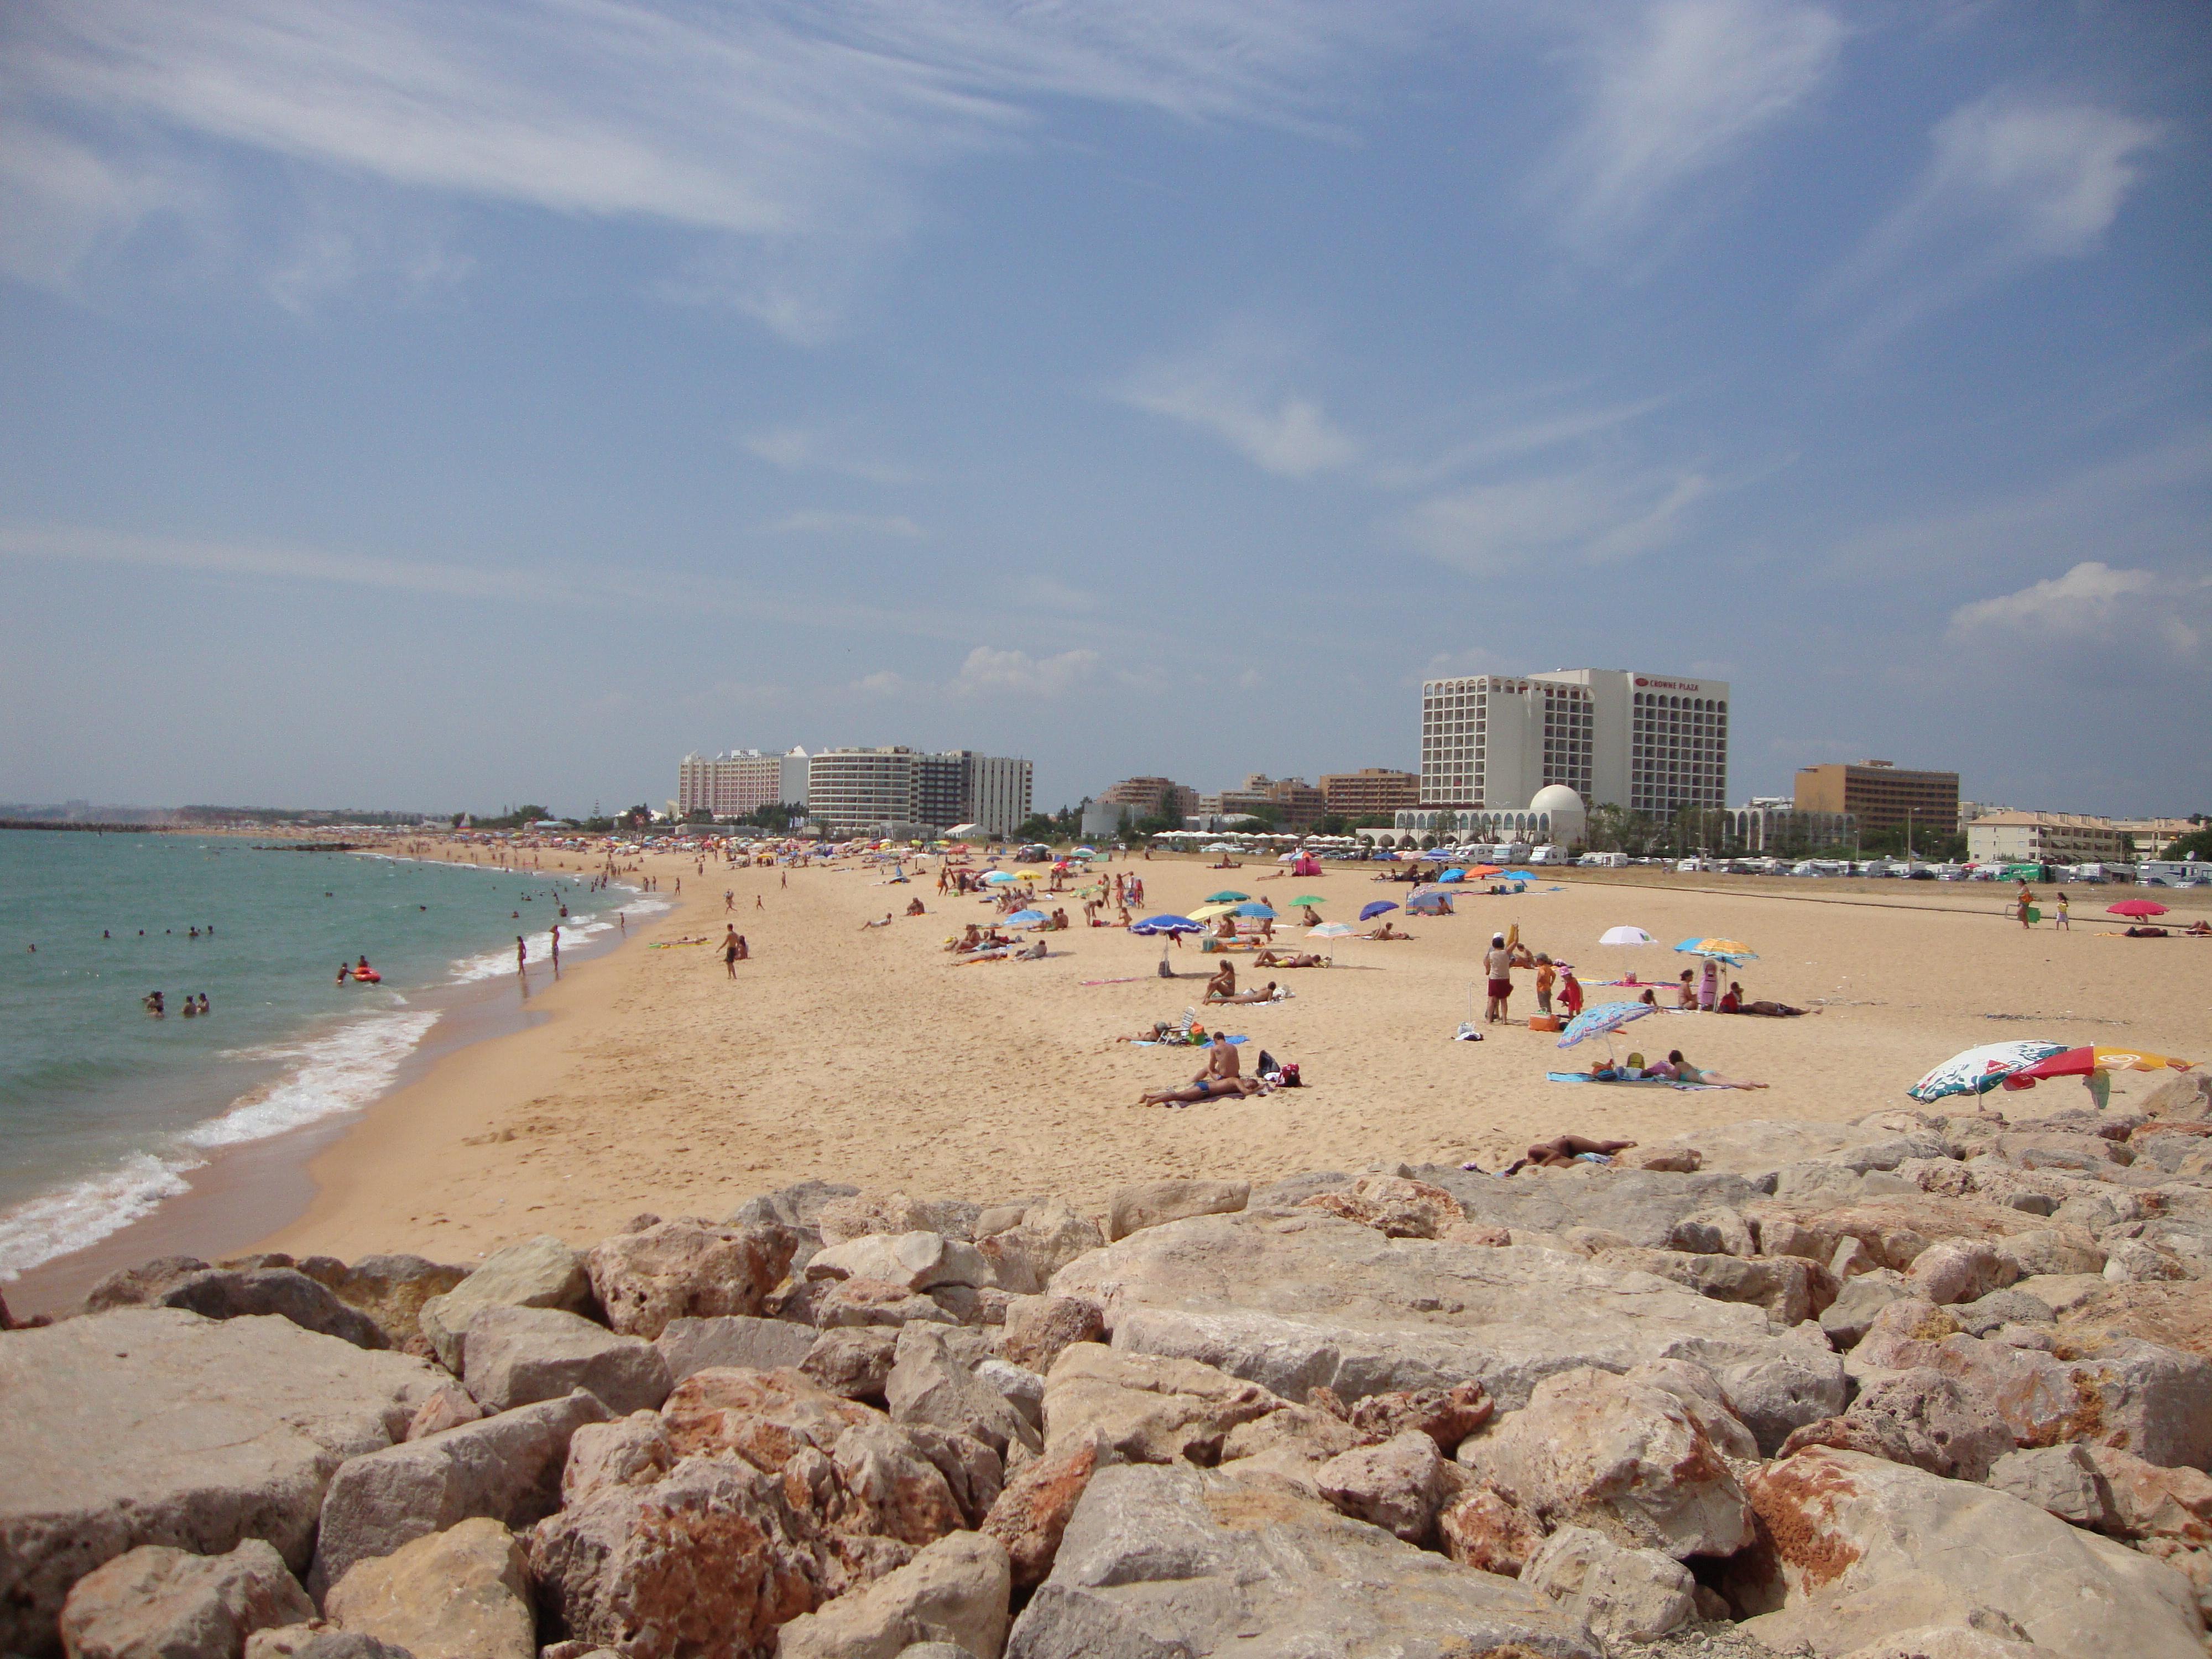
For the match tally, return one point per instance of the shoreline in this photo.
(243, 1192)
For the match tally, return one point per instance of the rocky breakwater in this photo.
(1926, 1384)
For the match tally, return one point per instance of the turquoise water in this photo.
(104, 1111)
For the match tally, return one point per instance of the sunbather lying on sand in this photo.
(1216, 1088)
(1561, 1151)
(1290, 959)
(1266, 994)
(1733, 1003)
(1384, 930)
(1679, 1070)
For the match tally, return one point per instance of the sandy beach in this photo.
(656, 1083)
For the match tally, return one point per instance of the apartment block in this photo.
(1370, 789)
(1882, 795)
(740, 781)
(2047, 838)
(901, 789)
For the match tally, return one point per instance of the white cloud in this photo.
(989, 673)
(881, 683)
(815, 522)
(1677, 88)
(800, 449)
(2093, 603)
(1229, 390)
(1588, 517)
(792, 129)
(2011, 183)
(61, 201)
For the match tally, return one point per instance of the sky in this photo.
(421, 403)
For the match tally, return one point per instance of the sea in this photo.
(106, 1111)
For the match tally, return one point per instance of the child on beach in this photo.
(1547, 975)
(1571, 993)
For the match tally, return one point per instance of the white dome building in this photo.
(1560, 810)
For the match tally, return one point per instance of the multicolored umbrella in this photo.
(1166, 925)
(1380, 907)
(1330, 930)
(1979, 1070)
(1227, 895)
(2080, 1062)
(2136, 908)
(1626, 936)
(1602, 1020)
(1735, 952)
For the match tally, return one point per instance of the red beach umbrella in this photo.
(2136, 908)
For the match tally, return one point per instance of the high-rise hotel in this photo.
(1652, 743)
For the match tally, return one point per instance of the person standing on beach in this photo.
(730, 949)
(557, 947)
(521, 956)
(2064, 922)
(2025, 905)
(1497, 963)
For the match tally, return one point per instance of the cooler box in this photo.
(1546, 1023)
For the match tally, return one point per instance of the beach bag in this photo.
(1289, 1078)
(1268, 1063)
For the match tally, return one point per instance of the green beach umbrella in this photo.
(1227, 895)
(1304, 901)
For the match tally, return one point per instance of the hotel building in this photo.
(741, 782)
(1370, 789)
(1654, 744)
(2047, 838)
(1881, 796)
(898, 790)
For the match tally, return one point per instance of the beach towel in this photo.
(1632, 1082)
(1130, 979)
(1147, 1042)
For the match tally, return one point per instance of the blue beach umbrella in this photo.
(1167, 925)
(1735, 952)
(1369, 912)
(1602, 1020)
(1022, 917)
(1519, 875)
(1256, 908)
(1452, 875)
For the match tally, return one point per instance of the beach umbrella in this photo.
(1369, 912)
(1626, 936)
(1023, 918)
(1207, 912)
(1520, 875)
(1166, 925)
(2080, 1062)
(1305, 902)
(1330, 930)
(997, 876)
(1256, 908)
(1451, 875)
(1977, 1071)
(1479, 871)
(2136, 908)
(1602, 1020)
(1735, 952)
(1227, 895)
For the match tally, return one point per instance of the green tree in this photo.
(2196, 844)
(1036, 827)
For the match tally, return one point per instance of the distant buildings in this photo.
(1371, 789)
(1771, 824)
(1291, 802)
(1152, 797)
(2152, 837)
(1881, 796)
(892, 790)
(2047, 838)
(738, 783)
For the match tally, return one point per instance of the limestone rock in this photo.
(152, 1424)
(1760, 1146)
(1486, 1530)
(1857, 1549)
(2051, 1250)
(1031, 1513)
(1300, 1300)
(799, 1205)
(1858, 1300)
(460, 1594)
(389, 1289)
(1799, 1380)
(846, 1218)
(1163, 1561)
(136, 1287)
(854, 1362)
(955, 1590)
(1999, 1308)
(2059, 1480)
(764, 1416)
(1398, 1486)
(1622, 1594)
(1025, 1256)
(513, 1356)
(1712, 1232)
(912, 1261)
(539, 1273)
(1146, 1409)
(1946, 1641)
(703, 1564)
(1959, 1271)
(2150, 1502)
(931, 1382)
(1702, 1400)
(1392, 1205)
(449, 1408)
(1789, 1289)
(686, 1270)
(508, 1468)
(629, 1451)
(689, 1345)
(1621, 1457)
(1447, 1416)
(318, 1640)
(226, 1294)
(888, 1487)
(2134, 1260)
(1919, 1417)
(155, 1602)
(1293, 1435)
(1152, 1203)
(1038, 1329)
(1643, 1206)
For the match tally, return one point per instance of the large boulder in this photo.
(703, 1564)
(1153, 1203)
(286, 1292)
(1299, 1300)
(1856, 1549)
(1037, 1329)
(539, 1273)
(1620, 1456)
(461, 1594)
(914, 1261)
(1919, 1417)
(1643, 1206)
(1789, 1289)
(955, 1591)
(764, 1416)
(687, 1270)
(155, 1602)
(513, 1356)
(1143, 1408)
(1159, 1561)
(2152, 1400)
(1398, 1486)
(761, 1345)
(154, 1425)
(508, 1468)
(1762, 1146)
(2060, 1480)
(1030, 1515)
(1622, 1594)
(799, 1205)
(1025, 1256)
(389, 1289)
(856, 1215)
(2149, 1501)
(933, 1380)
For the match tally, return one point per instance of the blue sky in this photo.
(446, 404)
